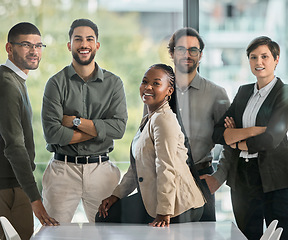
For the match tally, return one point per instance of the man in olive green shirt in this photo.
(84, 109)
(19, 194)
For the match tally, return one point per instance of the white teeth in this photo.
(83, 52)
(259, 69)
(148, 94)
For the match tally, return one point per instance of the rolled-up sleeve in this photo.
(100, 99)
(52, 115)
(114, 124)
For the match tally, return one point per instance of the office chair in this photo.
(277, 234)
(270, 230)
(9, 230)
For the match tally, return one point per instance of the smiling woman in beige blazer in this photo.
(166, 188)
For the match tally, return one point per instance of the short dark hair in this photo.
(264, 40)
(22, 28)
(81, 23)
(187, 31)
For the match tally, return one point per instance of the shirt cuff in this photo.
(100, 129)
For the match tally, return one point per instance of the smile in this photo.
(84, 51)
(259, 69)
(32, 59)
(148, 94)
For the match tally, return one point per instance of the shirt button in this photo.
(140, 179)
(182, 93)
(246, 160)
(180, 109)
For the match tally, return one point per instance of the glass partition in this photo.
(134, 35)
(227, 28)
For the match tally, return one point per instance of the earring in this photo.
(169, 98)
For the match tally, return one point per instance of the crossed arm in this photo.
(85, 131)
(233, 135)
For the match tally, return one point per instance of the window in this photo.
(134, 35)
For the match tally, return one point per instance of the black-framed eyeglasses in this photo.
(193, 51)
(28, 45)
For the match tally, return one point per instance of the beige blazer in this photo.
(165, 181)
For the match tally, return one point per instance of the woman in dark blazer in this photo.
(255, 128)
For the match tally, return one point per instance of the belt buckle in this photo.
(100, 161)
(87, 159)
(76, 159)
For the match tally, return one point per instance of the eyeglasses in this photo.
(28, 45)
(193, 51)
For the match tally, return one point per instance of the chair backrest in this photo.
(270, 230)
(9, 230)
(277, 234)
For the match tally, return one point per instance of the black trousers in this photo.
(132, 210)
(251, 205)
(209, 207)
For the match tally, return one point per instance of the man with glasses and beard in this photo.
(84, 109)
(201, 104)
(19, 194)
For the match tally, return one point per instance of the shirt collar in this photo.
(265, 90)
(195, 83)
(99, 74)
(15, 69)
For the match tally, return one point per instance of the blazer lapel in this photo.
(265, 110)
(242, 101)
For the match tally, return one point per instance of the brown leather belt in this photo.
(203, 165)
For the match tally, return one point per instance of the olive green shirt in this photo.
(101, 99)
(16, 135)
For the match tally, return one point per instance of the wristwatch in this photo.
(76, 122)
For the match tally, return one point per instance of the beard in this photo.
(81, 62)
(186, 69)
(24, 64)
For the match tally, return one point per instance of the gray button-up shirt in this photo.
(201, 105)
(101, 99)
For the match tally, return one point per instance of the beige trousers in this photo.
(16, 207)
(65, 184)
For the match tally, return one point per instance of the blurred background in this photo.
(134, 35)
